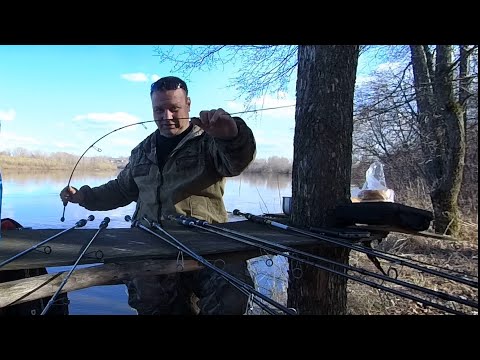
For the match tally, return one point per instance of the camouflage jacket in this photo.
(191, 183)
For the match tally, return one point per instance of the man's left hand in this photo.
(218, 123)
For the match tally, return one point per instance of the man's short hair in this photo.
(168, 83)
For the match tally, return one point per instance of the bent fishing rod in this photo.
(78, 224)
(231, 234)
(103, 225)
(240, 285)
(262, 220)
(62, 219)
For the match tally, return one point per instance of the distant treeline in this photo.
(274, 164)
(22, 159)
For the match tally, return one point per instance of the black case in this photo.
(383, 213)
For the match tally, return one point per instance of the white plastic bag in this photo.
(375, 187)
(375, 177)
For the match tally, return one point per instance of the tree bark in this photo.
(442, 132)
(322, 165)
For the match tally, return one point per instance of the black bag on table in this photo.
(383, 213)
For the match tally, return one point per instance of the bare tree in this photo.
(264, 69)
(407, 119)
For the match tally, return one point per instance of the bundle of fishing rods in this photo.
(316, 261)
(340, 269)
(81, 223)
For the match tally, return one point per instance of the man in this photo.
(179, 169)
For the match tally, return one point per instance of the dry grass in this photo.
(460, 255)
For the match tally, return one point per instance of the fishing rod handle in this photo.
(194, 220)
(104, 223)
(83, 222)
(128, 218)
(181, 219)
(251, 217)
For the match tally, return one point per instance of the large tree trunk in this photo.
(322, 166)
(443, 134)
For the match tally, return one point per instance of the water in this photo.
(33, 200)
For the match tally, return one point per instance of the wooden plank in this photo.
(128, 244)
(33, 288)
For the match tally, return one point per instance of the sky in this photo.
(64, 98)
(60, 98)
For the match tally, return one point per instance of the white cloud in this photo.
(9, 140)
(140, 77)
(234, 106)
(121, 118)
(7, 115)
(285, 104)
(125, 142)
(273, 144)
(363, 79)
(64, 145)
(135, 77)
(388, 66)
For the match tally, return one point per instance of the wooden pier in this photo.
(119, 254)
(122, 254)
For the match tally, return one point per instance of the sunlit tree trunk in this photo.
(322, 166)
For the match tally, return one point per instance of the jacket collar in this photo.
(150, 146)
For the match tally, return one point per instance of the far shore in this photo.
(22, 160)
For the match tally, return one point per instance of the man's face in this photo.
(171, 110)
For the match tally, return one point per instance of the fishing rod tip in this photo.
(128, 218)
(62, 219)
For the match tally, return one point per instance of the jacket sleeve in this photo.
(231, 157)
(114, 194)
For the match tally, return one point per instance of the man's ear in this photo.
(188, 103)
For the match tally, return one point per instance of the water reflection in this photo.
(269, 180)
(32, 198)
(56, 177)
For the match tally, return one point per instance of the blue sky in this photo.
(64, 98)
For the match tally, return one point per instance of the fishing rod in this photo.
(193, 222)
(103, 225)
(240, 285)
(265, 221)
(462, 273)
(78, 224)
(62, 219)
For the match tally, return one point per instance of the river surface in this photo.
(33, 200)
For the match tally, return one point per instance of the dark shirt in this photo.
(165, 145)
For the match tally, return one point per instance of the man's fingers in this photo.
(66, 194)
(196, 121)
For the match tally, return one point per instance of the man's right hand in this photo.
(71, 194)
